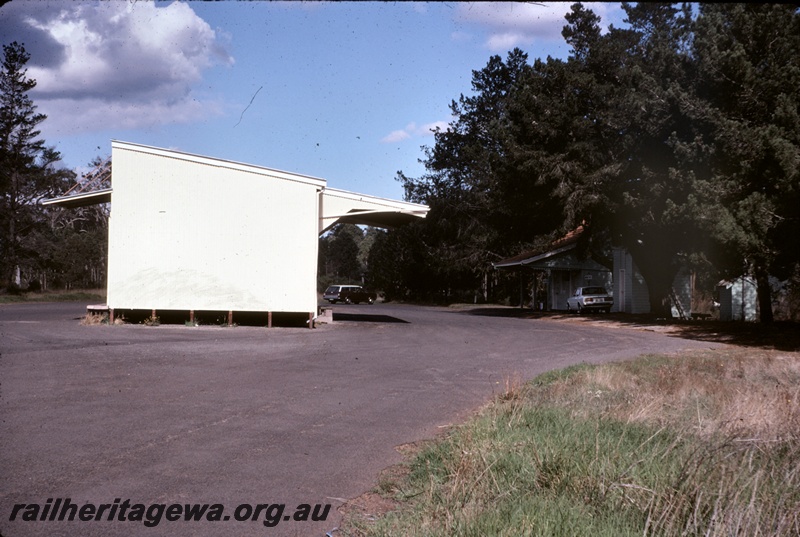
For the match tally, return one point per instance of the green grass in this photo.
(91, 295)
(702, 444)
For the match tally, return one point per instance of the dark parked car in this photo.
(349, 294)
(590, 299)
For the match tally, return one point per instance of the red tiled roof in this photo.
(566, 240)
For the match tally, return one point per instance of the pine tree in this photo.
(748, 78)
(26, 165)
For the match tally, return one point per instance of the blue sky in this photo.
(344, 91)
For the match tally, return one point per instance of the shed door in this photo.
(561, 289)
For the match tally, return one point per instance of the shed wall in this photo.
(631, 294)
(188, 235)
(630, 289)
(738, 300)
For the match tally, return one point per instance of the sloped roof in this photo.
(220, 163)
(558, 246)
(81, 199)
(92, 189)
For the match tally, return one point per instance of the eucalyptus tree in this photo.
(68, 247)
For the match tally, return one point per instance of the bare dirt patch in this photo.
(376, 503)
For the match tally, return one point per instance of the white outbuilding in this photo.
(195, 233)
(738, 299)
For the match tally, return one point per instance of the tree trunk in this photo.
(658, 291)
(764, 294)
(12, 267)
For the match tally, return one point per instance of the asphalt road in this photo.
(248, 415)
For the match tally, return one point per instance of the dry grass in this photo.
(740, 407)
(705, 443)
(734, 392)
(152, 320)
(94, 319)
(101, 319)
(513, 387)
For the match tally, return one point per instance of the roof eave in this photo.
(83, 199)
(534, 258)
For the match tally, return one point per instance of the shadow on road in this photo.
(366, 318)
(519, 313)
(783, 335)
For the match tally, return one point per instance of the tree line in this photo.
(677, 138)
(42, 248)
(343, 255)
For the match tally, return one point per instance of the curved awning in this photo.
(341, 206)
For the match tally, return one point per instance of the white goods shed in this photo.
(564, 269)
(631, 294)
(195, 233)
(738, 299)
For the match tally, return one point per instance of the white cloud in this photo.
(120, 64)
(429, 128)
(506, 41)
(513, 24)
(396, 136)
(412, 130)
(460, 36)
(100, 114)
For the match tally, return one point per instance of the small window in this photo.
(594, 291)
